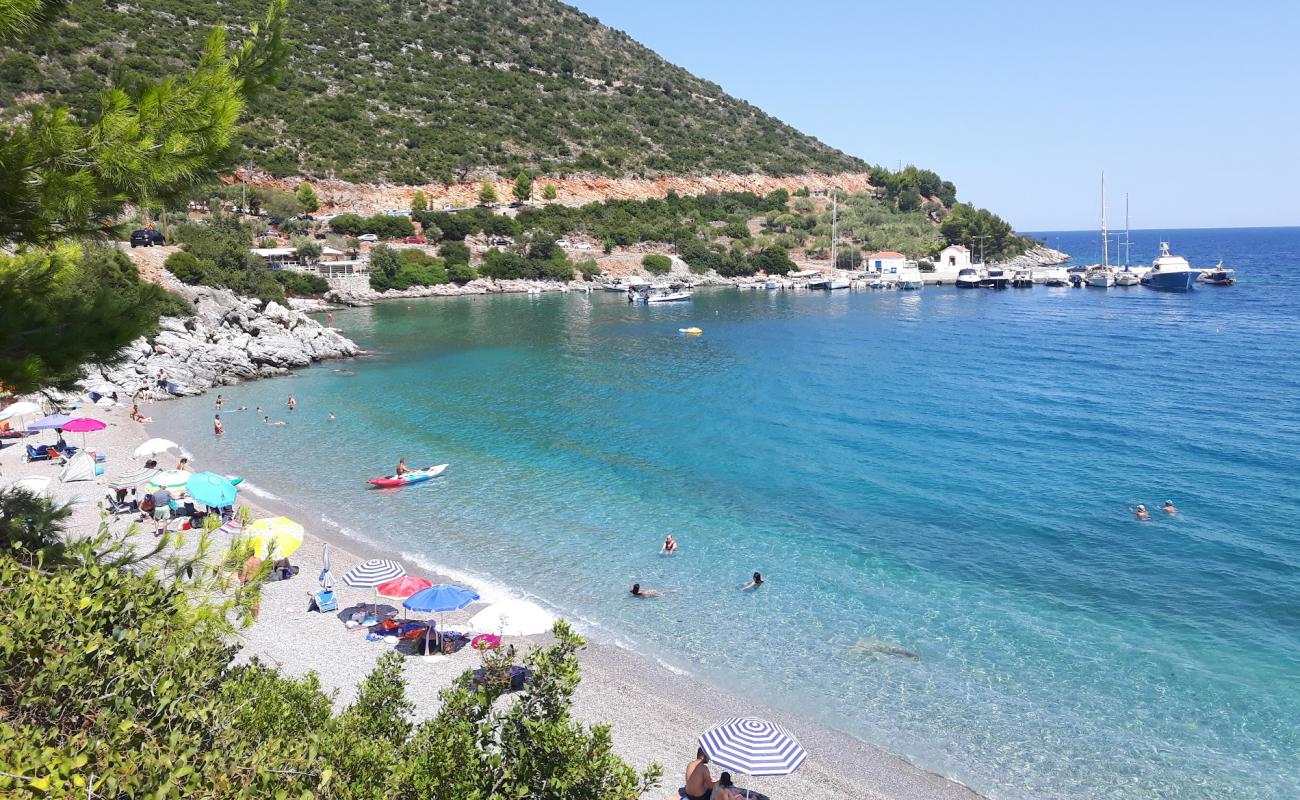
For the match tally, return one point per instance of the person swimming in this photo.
(637, 591)
(330, 416)
(670, 545)
(1169, 507)
(1141, 512)
(754, 582)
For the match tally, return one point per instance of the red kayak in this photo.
(414, 476)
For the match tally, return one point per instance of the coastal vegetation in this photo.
(121, 681)
(216, 253)
(66, 178)
(395, 92)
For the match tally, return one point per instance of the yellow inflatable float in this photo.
(690, 331)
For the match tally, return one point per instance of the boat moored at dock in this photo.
(1219, 276)
(1170, 273)
(969, 278)
(1099, 277)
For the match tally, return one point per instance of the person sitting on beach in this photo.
(724, 789)
(402, 469)
(183, 464)
(699, 781)
(670, 545)
(637, 591)
(1170, 508)
(1141, 512)
(754, 582)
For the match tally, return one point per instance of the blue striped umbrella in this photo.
(753, 746)
(371, 573)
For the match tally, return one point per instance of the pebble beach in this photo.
(655, 713)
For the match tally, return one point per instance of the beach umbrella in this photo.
(441, 598)
(512, 617)
(169, 479)
(52, 421)
(370, 573)
(326, 578)
(36, 484)
(211, 489)
(486, 641)
(280, 535)
(100, 386)
(130, 480)
(402, 587)
(19, 410)
(753, 746)
(153, 447)
(84, 425)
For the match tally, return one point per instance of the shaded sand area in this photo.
(656, 714)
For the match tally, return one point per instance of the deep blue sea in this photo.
(943, 471)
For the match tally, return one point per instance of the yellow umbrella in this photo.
(279, 534)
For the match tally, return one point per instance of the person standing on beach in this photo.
(162, 510)
(292, 403)
(699, 781)
(217, 427)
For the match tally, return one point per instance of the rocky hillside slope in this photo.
(431, 91)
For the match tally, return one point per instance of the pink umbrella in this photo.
(403, 587)
(486, 641)
(83, 425)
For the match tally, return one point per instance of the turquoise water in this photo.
(943, 471)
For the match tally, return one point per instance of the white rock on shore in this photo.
(229, 339)
(1035, 257)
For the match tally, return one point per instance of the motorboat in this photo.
(968, 278)
(408, 478)
(1056, 276)
(1170, 273)
(1099, 276)
(1023, 279)
(1219, 276)
(625, 285)
(668, 296)
(910, 278)
(1077, 281)
(995, 278)
(1127, 277)
(829, 284)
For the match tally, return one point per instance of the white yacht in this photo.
(1127, 277)
(968, 278)
(1170, 273)
(1023, 279)
(909, 277)
(1056, 276)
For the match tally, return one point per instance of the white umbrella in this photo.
(36, 484)
(19, 410)
(153, 447)
(99, 386)
(512, 618)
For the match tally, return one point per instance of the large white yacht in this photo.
(1170, 273)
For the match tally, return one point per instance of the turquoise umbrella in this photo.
(211, 489)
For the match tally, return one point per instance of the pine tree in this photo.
(307, 198)
(486, 193)
(523, 189)
(418, 201)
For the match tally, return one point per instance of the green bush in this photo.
(302, 283)
(656, 264)
(460, 274)
(454, 252)
(772, 260)
(185, 267)
(589, 269)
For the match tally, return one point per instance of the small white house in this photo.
(886, 262)
(952, 258)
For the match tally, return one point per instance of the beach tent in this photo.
(512, 617)
(80, 467)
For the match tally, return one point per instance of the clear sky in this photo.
(1193, 107)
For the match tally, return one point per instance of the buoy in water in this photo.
(690, 331)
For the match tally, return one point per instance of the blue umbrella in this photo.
(53, 421)
(753, 747)
(443, 597)
(211, 489)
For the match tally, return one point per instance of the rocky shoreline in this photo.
(1035, 257)
(228, 339)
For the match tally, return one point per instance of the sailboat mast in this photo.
(835, 208)
(1105, 237)
(1127, 241)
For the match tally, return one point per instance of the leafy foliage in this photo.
(120, 681)
(307, 198)
(382, 225)
(394, 91)
(402, 269)
(656, 264)
(216, 253)
(979, 227)
(523, 188)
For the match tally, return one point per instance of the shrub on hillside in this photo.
(656, 264)
(454, 252)
(461, 274)
(302, 283)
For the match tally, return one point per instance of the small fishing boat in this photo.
(1219, 276)
(1170, 273)
(408, 478)
(1023, 279)
(1099, 276)
(995, 278)
(910, 278)
(1056, 276)
(968, 278)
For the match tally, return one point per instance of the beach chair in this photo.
(324, 601)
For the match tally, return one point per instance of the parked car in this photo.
(415, 240)
(563, 243)
(501, 241)
(147, 237)
(582, 246)
(367, 237)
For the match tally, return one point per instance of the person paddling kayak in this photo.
(402, 469)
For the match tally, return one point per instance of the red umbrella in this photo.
(83, 425)
(403, 587)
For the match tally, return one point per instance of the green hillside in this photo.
(413, 91)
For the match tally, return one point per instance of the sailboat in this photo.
(1127, 276)
(1101, 275)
